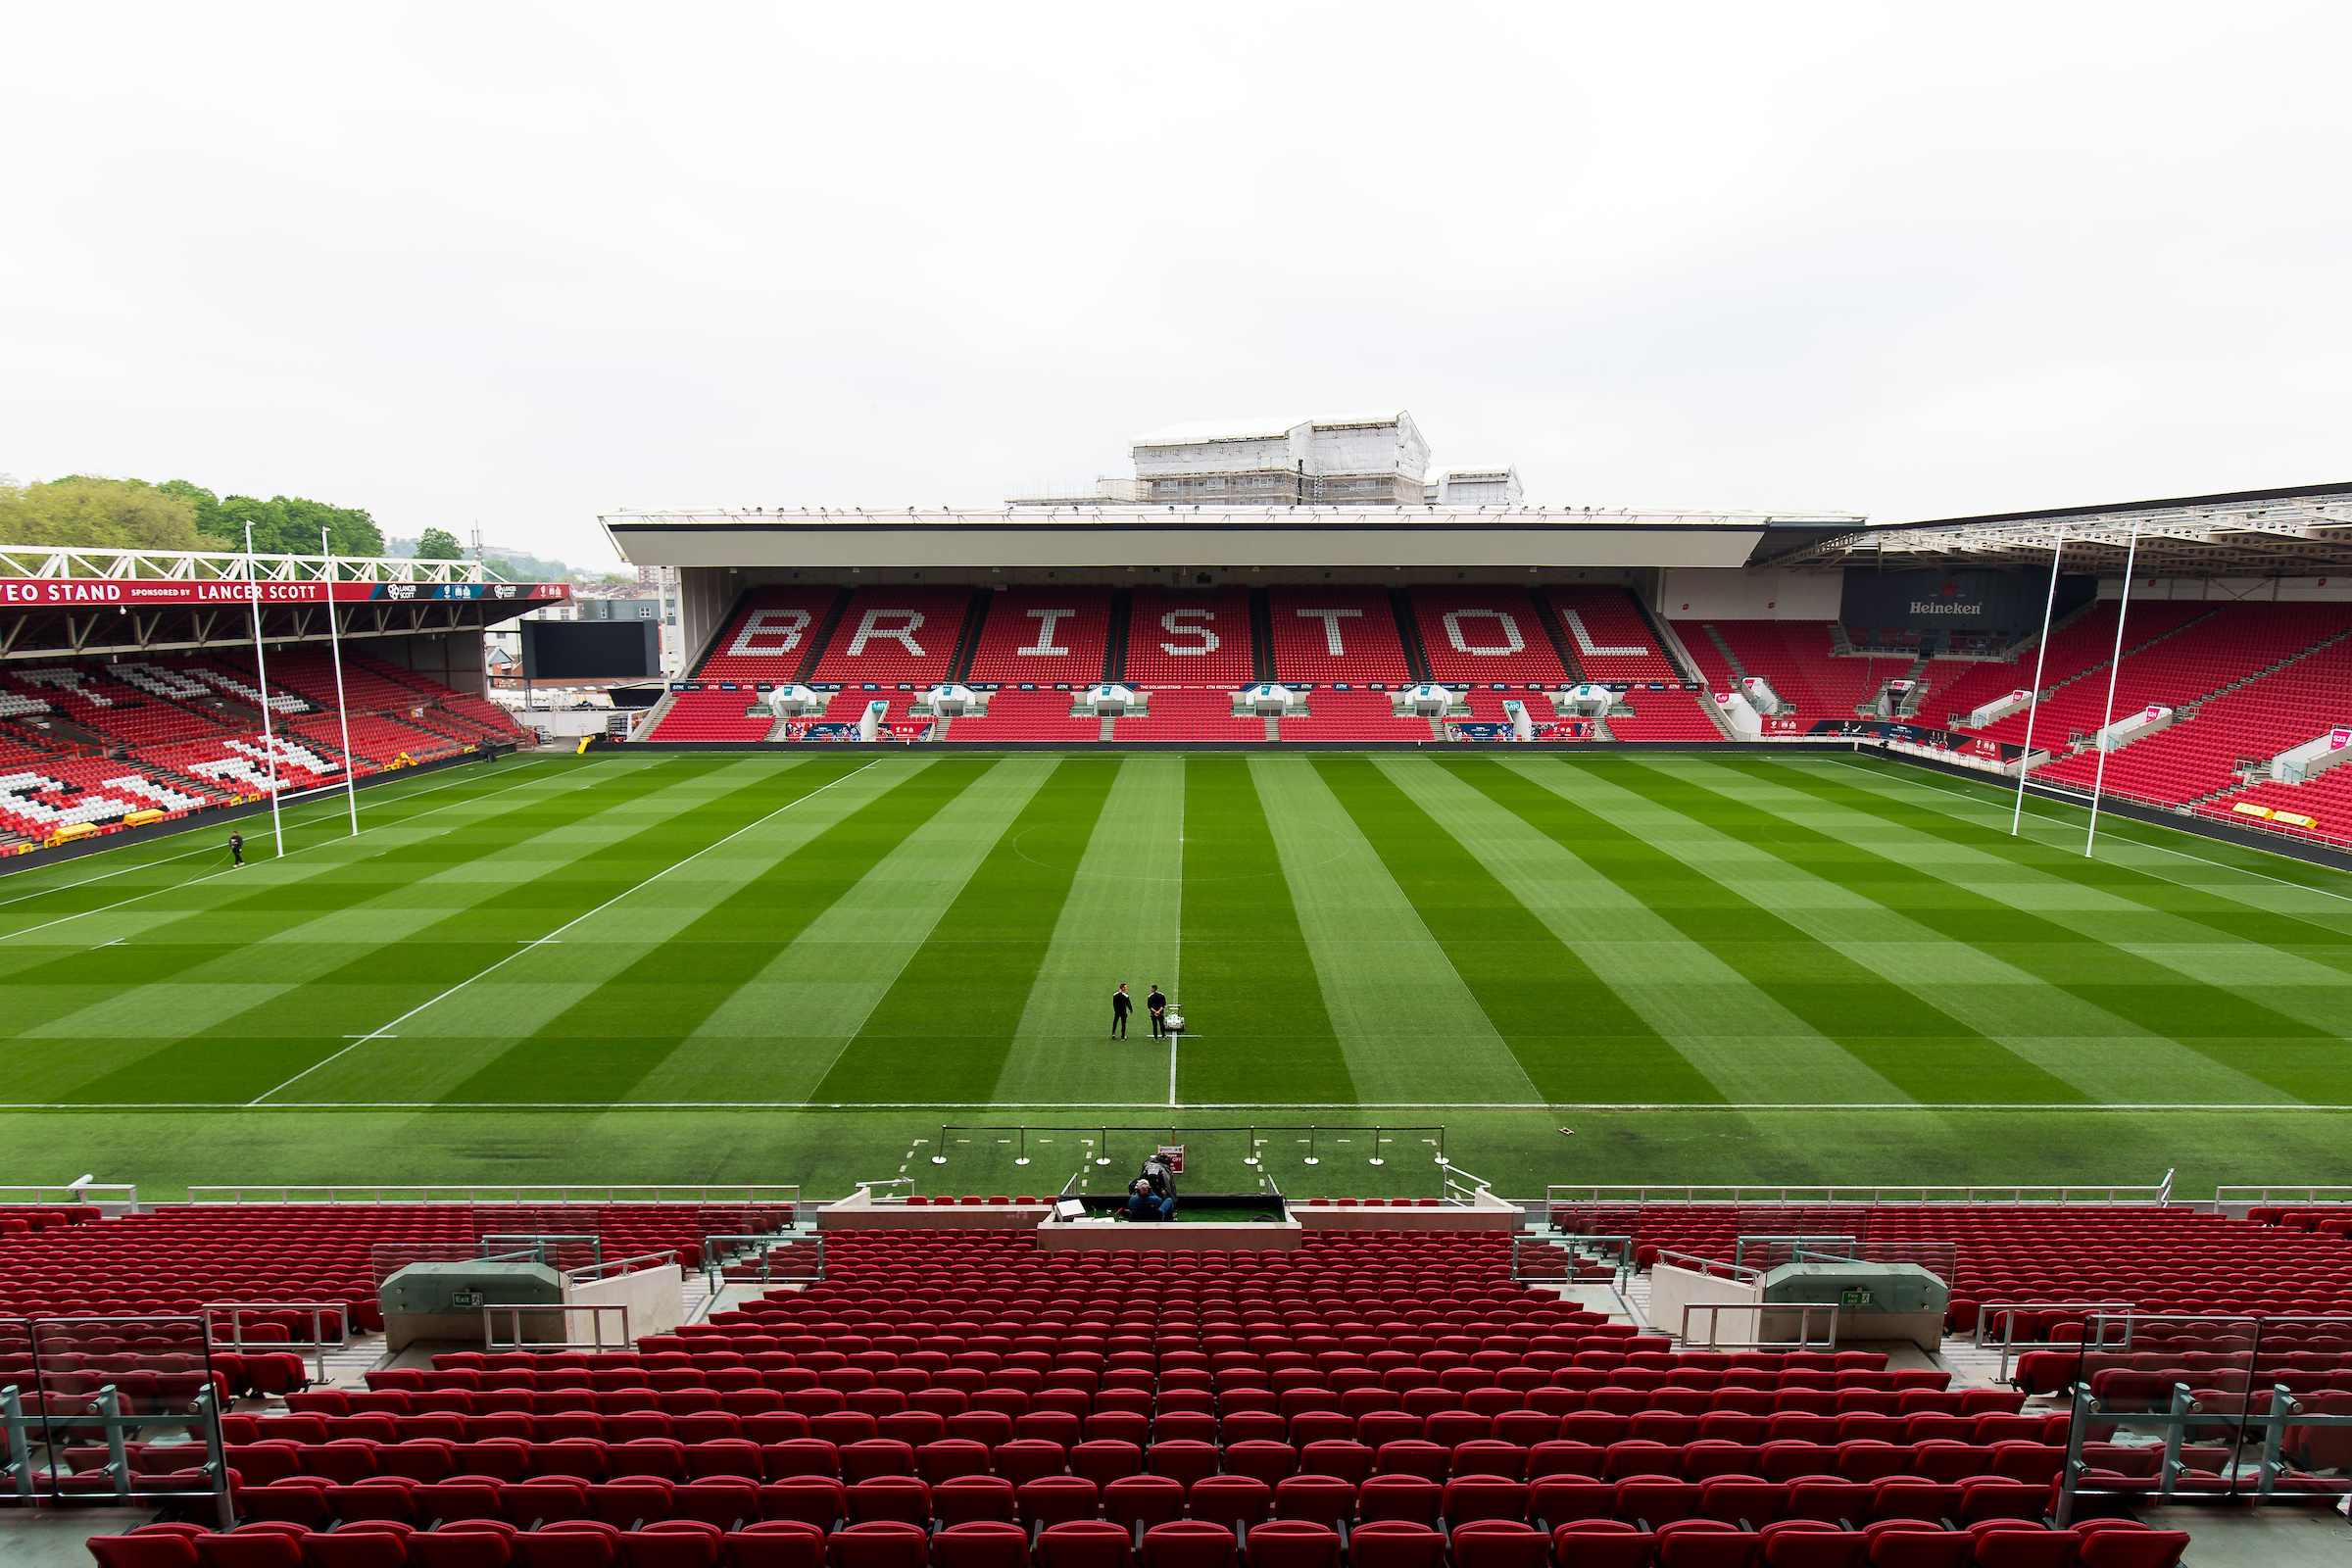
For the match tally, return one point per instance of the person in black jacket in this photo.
(1121, 1005)
(1157, 1007)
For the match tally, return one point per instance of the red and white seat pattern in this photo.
(38, 800)
(108, 706)
(896, 634)
(1335, 634)
(1179, 638)
(1046, 636)
(770, 635)
(1607, 635)
(241, 685)
(1485, 634)
(239, 765)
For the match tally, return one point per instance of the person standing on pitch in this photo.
(1157, 1007)
(1121, 1005)
(237, 848)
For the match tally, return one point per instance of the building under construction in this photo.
(1359, 459)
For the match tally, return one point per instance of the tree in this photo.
(282, 526)
(97, 513)
(439, 544)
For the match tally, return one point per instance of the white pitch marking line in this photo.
(385, 1032)
(289, 855)
(166, 859)
(2298, 1107)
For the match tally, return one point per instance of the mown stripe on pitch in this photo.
(1736, 1035)
(1247, 983)
(2144, 999)
(263, 1045)
(1574, 1036)
(2230, 917)
(1120, 922)
(247, 941)
(1714, 884)
(38, 898)
(947, 1023)
(605, 1043)
(1860, 904)
(1396, 1002)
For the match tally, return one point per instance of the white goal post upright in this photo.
(261, 672)
(334, 647)
(2025, 763)
(2115, 667)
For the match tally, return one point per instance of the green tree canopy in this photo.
(97, 513)
(439, 544)
(282, 526)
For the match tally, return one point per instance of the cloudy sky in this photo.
(517, 264)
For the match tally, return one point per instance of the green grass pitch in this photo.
(725, 968)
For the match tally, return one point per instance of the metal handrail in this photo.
(1469, 1185)
(715, 1266)
(615, 1268)
(73, 1193)
(1765, 1240)
(2184, 1412)
(2267, 1194)
(110, 1418)
(516, 1309)
(317, 1343)
(1730, 1196)
(2007, 1311)
(1804, 1326)
(751, 1196)
(1691, 1263)
(537, 1242)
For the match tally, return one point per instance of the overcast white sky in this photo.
(522, 263)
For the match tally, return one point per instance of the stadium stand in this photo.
(2249, 684)
(1043, 634)
(1607, 635)
(1190, 638)
(713, 716)
(1352, 715)
(2081, 649)
(2162, 1259)
(907, 633)
(176, 735)
(1797, 658)
(1672, 715)
(1335, 634)
(1191, 716)
(375, 738)
(771, 636)
(41, 798)
(177, 1258)
(1018, 715)
(116, 711)
(1383, 1385)
(239, 765)
(1486, 634)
